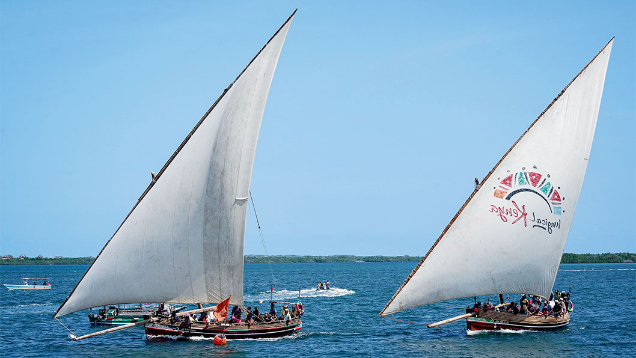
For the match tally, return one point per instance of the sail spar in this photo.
(183, 240)
(510, 234)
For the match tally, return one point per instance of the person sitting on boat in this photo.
(272, 310)
(294, 312)
(513, 308)
(327, 285)
(237, 313)
(321, 286)
(536, 303)
(524, 304)
(477, 306)
(546, 309)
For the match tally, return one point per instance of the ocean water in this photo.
(342, 322)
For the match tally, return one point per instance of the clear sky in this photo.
(380, 115)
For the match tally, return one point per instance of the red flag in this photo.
(220, 312)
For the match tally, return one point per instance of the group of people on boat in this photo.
(324, 286)
(255, 316)
(251, 316)
(558, 304)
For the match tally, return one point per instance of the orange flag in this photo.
(220, 312)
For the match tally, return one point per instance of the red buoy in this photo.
(220, 339)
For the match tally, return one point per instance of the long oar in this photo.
(110, 330)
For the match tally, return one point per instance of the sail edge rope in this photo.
(260, 231)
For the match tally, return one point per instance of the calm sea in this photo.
(340, 323)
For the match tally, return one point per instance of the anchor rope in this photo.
(260, 231)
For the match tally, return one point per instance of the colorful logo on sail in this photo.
(528, 182)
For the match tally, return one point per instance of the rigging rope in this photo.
(73, 334)
(260, 231)
(399, 320)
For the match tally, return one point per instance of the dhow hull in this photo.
(231, 331)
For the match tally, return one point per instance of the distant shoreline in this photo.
(623, 257)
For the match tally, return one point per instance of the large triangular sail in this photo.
(183, 240)
(510, 234)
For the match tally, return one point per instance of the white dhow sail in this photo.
(510, 234)
(183, 240)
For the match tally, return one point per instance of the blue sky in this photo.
(379, 117)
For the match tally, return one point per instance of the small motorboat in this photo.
(30, 283)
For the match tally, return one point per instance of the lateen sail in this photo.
(510, 234)
(183, 241)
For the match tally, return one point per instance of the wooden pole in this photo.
(110, 330)
(457, 318)
(196, 311)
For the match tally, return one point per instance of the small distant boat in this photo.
(118, 315)
(509, 235)
(30, 283)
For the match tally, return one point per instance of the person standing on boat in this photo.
(327, 285)
(285, 313)
(257, 315)
(249, 315)
(524, 304)
(557, 308)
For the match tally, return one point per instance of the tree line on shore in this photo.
(623, 257)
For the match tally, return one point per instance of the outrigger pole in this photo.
(453, 319)
(138, 323)
(457, 318)
(120, 328)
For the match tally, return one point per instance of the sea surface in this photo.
(342, 322)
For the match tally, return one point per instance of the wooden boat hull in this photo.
(231, 331)
(494, 321)
(113, 321)
(27, 287)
